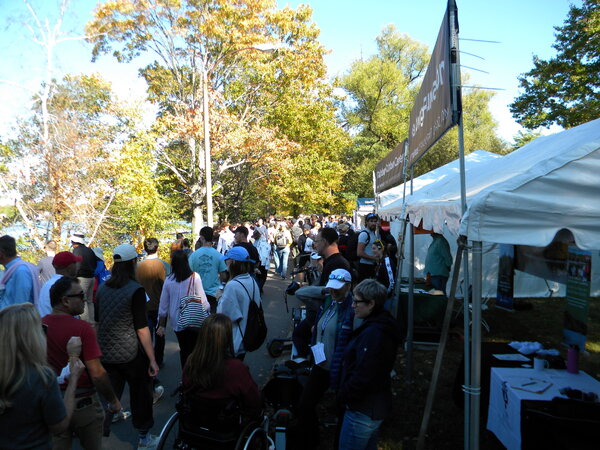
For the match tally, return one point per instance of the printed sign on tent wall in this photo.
(579, 270)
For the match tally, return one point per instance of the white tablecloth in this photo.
(504, 414)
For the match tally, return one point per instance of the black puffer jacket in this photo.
(367, 363)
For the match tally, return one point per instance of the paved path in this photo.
(123, 436)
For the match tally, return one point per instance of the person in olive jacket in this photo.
(365, 388)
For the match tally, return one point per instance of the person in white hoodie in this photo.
(239, 291)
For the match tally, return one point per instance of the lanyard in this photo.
(327, 317)
(390, 274)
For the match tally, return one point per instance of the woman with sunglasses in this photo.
(365, 387)
(334, 324)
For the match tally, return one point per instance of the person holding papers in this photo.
(334, 324)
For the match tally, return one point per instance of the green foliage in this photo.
(138, 208)
(565, 89)
(522, 138)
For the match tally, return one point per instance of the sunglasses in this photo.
(81, 295)
(339, 278)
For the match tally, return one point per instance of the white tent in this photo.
(390, 201)
(549, 184)
(436, 202)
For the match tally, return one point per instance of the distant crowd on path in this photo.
(107, 328)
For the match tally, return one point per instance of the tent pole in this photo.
(411, 299)
(441, 348)
(399, 267)
(457, 111)
(476, 344)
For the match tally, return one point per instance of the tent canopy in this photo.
(524, 197)
(390, 201)
(555, 184)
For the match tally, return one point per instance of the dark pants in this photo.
(438, 282)
(306, 434)
(187, 341)
(366, 271)
(262, 277)
(159, 341)
(135, 374)
(301, 337)
(212, 301)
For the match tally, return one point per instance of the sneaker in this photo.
(151, 441)
(158, 393)
(121, 415)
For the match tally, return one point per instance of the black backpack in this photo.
(352, 246)
(256, 327)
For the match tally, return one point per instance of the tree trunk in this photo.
(197, 221)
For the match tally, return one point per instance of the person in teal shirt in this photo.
(207, 262)
(438, 262)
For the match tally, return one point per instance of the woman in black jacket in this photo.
(365, 390)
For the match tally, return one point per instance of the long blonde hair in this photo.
(22, 348)
(205, 366)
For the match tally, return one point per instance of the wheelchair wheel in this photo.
(275, 348)
(168, 435)
(252, 437)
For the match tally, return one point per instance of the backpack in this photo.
(352, 245)
(256, 327)
(280, 239)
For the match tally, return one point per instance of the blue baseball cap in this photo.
(237, 253)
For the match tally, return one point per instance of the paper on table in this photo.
(511, 357)
(529, 384)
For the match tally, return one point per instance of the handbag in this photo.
(191, 309)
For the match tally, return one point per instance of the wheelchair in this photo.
(213, 425)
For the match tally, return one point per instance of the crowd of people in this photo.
(104, 329)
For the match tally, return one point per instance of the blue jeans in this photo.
(282, 256)
(359, 431)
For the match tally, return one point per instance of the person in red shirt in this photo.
(67, 300)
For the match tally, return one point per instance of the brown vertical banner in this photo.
(388, 172)
(431, 115)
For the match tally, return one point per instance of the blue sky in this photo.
(348, 30)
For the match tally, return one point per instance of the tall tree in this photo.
(46, 33)
(565, 90)
(217, 41)
(60, 178)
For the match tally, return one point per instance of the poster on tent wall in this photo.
(579, 271)
(506, 277)
(431, 115)
(389, 171)
(550, 262)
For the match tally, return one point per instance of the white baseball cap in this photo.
(124, 252)
(338, 278)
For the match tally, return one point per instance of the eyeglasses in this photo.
(81, 295)
(339, 278)
(356, 302)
